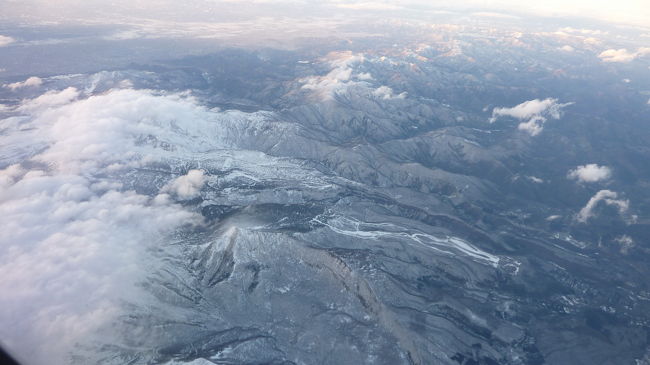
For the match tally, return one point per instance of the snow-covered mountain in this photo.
(443, 195)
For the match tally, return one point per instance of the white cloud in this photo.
(30, 82)
(536, 112)
(49, 99)
(551, 218)
(623, 55)
(125, 35)
(368, 5)
(386, 93)
(567, 48)
(71, 250)
(608, 197)
(591, 41)
(187, 186)
(535, 179)
(364, 76)
(590, 173)
(4, 40)
(583, 31)
(489, 14)
(526, 109)
(534, 126)
(338, 79)
(626, 243)
(342, 77)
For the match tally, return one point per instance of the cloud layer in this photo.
(75, 241)
(629, 11)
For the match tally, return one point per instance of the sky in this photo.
(624, 11)
(633, 12)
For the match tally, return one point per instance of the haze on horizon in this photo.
(630, 12)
